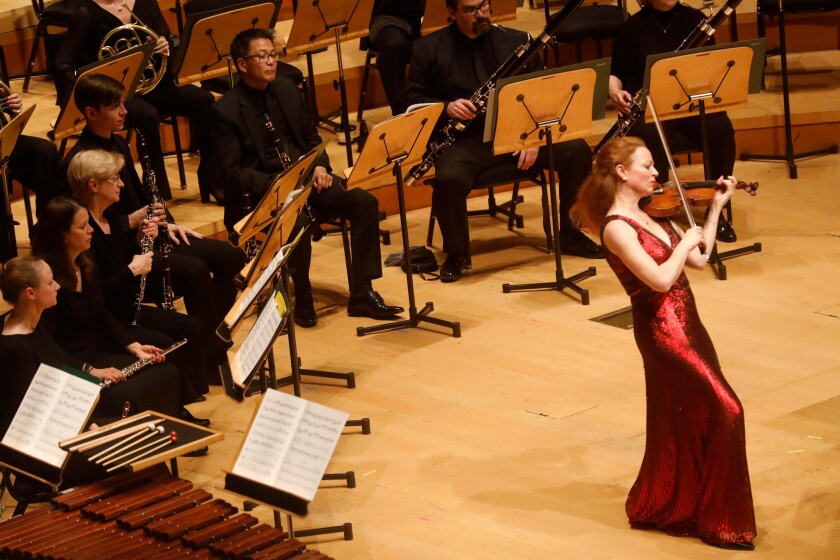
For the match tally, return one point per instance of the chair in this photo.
(58, 14)
(25, 490)
(370, 63)
(497, 176)
(597, 21)
(770, 8)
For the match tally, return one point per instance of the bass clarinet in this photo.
(510, 67)
(131, 369)
(150, 182)
(697, 38)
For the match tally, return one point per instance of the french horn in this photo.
(124, 37)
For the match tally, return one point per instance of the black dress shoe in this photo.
(725, 233)
(452, 268)
(742, 545)
(576, 244)
(305, 311)
(187, 416)
(199, 398)
(200, 452)
(370, 304)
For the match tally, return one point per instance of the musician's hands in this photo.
(160, 212)
(178, 233)
(723, 195)
(110, 374)
(162, 46)
(461, 109)
(693, 237)
(14, 102)
(146, 351)
(527, 157)
(149, 228)
(321, 178)
(141, 264)
(621, 99)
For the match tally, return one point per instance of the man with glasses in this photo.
(449, 66)
(244, 150)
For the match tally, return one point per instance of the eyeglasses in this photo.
(115, 179)
(471, 10)
(264, 57)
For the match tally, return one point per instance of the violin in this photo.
(666, 201)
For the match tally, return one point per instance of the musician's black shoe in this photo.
(452, 268)
(742, 545)
(725, 233)
(199, 398)
(305, 310)
(187, 416)
(575, 243)
(200, 452)
(370, 304)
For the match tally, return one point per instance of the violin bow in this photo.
(679, 186)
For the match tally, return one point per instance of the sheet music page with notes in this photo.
(55, 407)
(289, 444)
(259, 338)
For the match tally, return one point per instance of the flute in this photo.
(130, 370)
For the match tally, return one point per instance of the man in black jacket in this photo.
(244, 149)
(449, 65)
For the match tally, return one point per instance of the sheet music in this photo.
(266, 275)
(54, 408)
(289, 444)
(259, 338)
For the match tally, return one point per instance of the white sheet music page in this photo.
(259, 338)
(290, 443)
(54, 408)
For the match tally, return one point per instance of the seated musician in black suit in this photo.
(202, 269)
(245, 151)
(449, 66)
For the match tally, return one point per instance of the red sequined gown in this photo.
(693, 480)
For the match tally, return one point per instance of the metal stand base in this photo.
(717, 258)
(791, 157)
(414, 320)
(559, 284)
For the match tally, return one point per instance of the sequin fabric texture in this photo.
(694, 479)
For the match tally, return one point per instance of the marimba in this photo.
(149, 514)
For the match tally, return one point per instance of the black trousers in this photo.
(721, 142)
(393, 48)
(144, 114)
(460, 165)
(361, 209)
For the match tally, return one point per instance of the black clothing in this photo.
(206, 298)
(394, 24)
(80, 47)
(651, 31)
(446, 66)
(245, 166)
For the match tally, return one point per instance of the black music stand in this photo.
(529, 111)
(204, 52)
(398, 140)
(9, 135)
(684, 81)
(125, 67)
(790, 155)
(348, 19)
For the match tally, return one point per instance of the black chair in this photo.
(598, 21)
(58, 14)
(498, 176)
(370, 63)
(778, 8)
(25, 490)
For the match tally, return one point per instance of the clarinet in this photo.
(510, 67)
(697, 38)
(131, 369)
(150, 183)
(146, 243)
(286, 162)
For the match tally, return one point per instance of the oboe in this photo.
(510, 67)
(131, 369)
(697, 38)
(150, 182)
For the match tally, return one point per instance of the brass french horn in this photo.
(124, 37)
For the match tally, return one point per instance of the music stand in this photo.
(205, 42)
(684, 82)
(398, 140)
(531, 110)
(348, 19)
(9, 135)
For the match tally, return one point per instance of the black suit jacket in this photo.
(236, 133)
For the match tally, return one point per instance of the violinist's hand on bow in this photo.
(527, 157)
(621, 99)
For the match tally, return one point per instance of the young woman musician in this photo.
(81, 323)
(27, 283)
(694, 479)
(94, 177)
